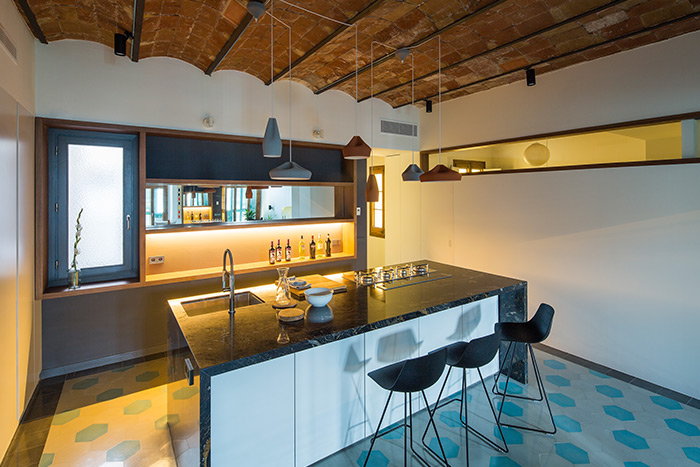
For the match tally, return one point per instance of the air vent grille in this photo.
(398, 128)
(9, 46)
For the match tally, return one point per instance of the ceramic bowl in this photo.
(318, 296)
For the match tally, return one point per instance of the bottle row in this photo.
(316, 249)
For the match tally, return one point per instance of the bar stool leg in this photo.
(495, 390)
(431, 420)
(379, 426)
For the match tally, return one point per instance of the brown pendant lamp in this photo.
(356, 149)
(372, 188)
(440, 173)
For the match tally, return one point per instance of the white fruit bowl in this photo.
(318, 296)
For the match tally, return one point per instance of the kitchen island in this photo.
(265, 403)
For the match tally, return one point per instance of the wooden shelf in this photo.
(244, 225)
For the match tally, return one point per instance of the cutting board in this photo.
(317, 280)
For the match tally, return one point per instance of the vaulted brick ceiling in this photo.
(485, 43)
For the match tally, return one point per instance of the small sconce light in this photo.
(428, 106)
(120, 42)
(530, 76)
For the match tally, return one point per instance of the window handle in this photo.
(128, 222)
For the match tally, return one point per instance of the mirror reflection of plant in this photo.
(78, 236)
(249, 214)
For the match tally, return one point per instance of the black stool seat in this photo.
(534, 331)
(475, 353)
(413, 375)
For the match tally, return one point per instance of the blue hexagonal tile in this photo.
(619, 413)
(572, 453)
(91, 433)
(186, 392)
(555, 364)
(666, 403)
(65, 417)
(558, 380)
(609, 391)
(513, 388)
(503, 462)
(561, 400)
(636, 464)
(510, 408)
(567, 424)
(450, 418)
(123, 369)
(137, 407)
(692, 453)
(85, 383)
(147, 376)
(512, 436)
(123, 451)
(110, 394)
(170, 419)
(46, 460)
(599, 374)
(396, 434)
(450, 447)
(630, 440)
(377, 459)
(682, 427)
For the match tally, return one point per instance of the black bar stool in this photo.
(408, 376)
(528, 333)
(469, 355)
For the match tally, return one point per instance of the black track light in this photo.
(120, 42)
(428, 106)
(530, 76)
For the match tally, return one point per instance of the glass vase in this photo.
(282, 295)
(73, 278)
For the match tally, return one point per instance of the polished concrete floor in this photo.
(117, 416)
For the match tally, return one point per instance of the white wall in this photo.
(86, 81)
(17, 77)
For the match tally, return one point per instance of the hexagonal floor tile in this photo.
(450, 418)
(147, 376)
(682, 427)
(110, 394)
(123, 451)
(46, 460)
(599, 374)
(636, 464)
(91, 433)
(396, 434)
(65, 417)
(609, 391)
(450, 447)
(123, 369)
(692, 453)
(619, 413)
(510, 408)
(503, 462)
(561, 400)
(572, 453)
(666, 403)
(558, 380)
(377, 459)
(137, 407)
(512, 436)
(163, 422)
(85, 383)
(555, 364)
(630, 440)
(186, 392)
(567, 424)
(513, 388)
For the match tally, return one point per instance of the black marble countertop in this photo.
(220, 343)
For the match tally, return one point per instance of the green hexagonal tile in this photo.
(137, 407)
(123, 451)
(86, 383)
(46, 460)
(147, 376)
(65, 417)
(186, 392)
(91, 433)
(170, 419)
(110, 394)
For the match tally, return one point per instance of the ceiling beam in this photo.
(365, 12)
(235, 35)
(463, 19)
(502, 46)
(564, 55)
(137, 29)
(33, 24)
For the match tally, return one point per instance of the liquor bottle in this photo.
(279, 251)
(328, 246)
(288, 252)
(319, 247)
(272, 252)
(302, 248)
(312, 248)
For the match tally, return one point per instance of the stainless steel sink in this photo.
(219, 303)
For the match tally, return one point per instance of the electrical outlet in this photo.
(359, 211)
(156, 259)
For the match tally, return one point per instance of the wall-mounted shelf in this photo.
(243, 225)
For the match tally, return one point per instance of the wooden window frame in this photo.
(373, 231)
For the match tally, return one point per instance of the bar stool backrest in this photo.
(541, 324)
(478, 352)
(420, 373)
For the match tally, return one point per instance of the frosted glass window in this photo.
(95, 184)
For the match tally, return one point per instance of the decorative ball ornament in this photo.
(536, 154)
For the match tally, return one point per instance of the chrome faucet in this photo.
(228, 273)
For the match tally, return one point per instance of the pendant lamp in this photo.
(272, 142)
(356, 149)
(289, 170)
(412, 172)
(371, 188)
(440, 173)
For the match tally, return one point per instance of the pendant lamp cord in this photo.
(272, 59)
(413, 103)
(290, 94)
(439, 100)
(356, 97)
(371, 104)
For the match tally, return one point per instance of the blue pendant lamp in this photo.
(272, 142)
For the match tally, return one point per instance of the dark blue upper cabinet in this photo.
(176, 158)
